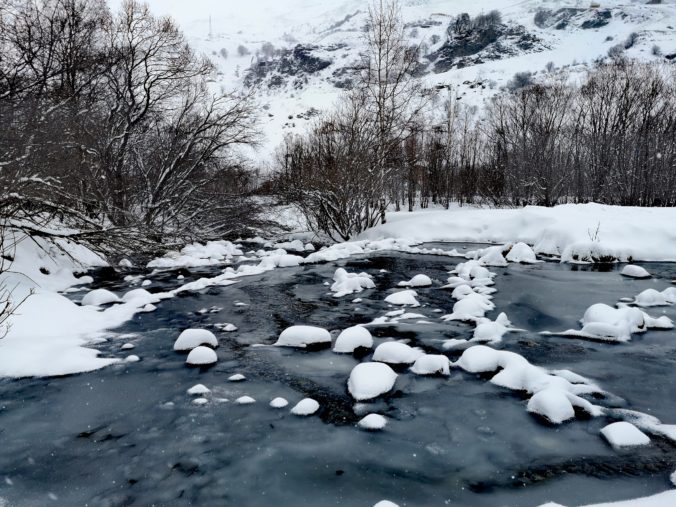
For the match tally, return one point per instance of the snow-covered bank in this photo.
(571, 231)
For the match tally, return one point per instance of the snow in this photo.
(133, 358)
(191, 338)
(652, 297)
(431, 364)
(237, 377)
(633, 271)
(306, 406)
(404, 297)
(624, 434)
(488, 331)
(385, 503)
(245, 400)
(372, 422)
(370, 380)
(521, 252)
(98, 297)
(644, 234)
(279, 403)
(672, 478)
(351, 338)
(396, 353)
(553, 396)
(201, 356)
(419, 280)
(605, 323)
(198, 389)
(127, 346)
(226, 327)
(665, 499)
(196, 255)
(200, 401)
(349, 283)
(472, 306)
(302, 336)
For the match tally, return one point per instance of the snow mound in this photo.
(417, 281)
(652, 297)
(553, 397)
(492, 256)
(302, 336)
(372, 422)
(521, 252)
(191, 338)
(605, 323)
(624, 434)
(200, 401)
(98, 297)
(488, 331)
(201, 356)
(404, 297)
(306, 406)
(349, 283)
(279, 403)
(370, 380)
(396, 353)
(133, 358)
(245, 400)
(431, 364)
(633, 271)
(237, 377)
(196, 254)
(385, 503)
(128, 346)
(351, 338)
(198, 389)
(471, 307)
(140, 297)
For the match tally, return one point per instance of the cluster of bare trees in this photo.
(610, 139)
(109, 125)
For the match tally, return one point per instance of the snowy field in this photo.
(394, 367)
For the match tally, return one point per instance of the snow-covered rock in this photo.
(98, 297)
(349, 283)
(302, 336)
(471, 307)
(200, 356)
(237, 377)
(419, 280)
(372, 422)
(431, 364)
(125, 263)
(198, 390)
(404, 297)
(306, 406)
(633, 271)
(200, 401)
(624, 434)
(385, 503)
(488, 331)
(351, 338)
(279, 403)
(370, 380)
(245, 400)
(127, 346)
(521, 252)
(652, 297)
(191, 338)
(396, 353)
(133, 358)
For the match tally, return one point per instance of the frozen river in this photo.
(130, 435)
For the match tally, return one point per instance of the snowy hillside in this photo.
(313, 46)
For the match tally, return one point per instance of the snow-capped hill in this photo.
(302, 54)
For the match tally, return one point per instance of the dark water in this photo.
(108, 438)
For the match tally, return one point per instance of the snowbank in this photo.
(645, 234)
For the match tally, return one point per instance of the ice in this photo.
(521, 252)
(633, 271)
(431, 364)
(237, 377)
(351, 338)
(417, 281)
(349, 283)
(404, 297)
(245, 400)
(306, 406)
(98, 297)
(624, 434)
(370, 380)
(396, 353)
(372, 422)
(191, 338)
(198, 390)
(302, 336)
(279, 403)
(201, 356)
